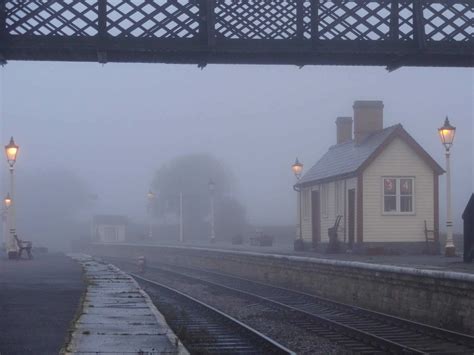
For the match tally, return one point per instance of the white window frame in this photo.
(398, 195)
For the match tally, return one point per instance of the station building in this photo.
(380, 181)
(109, 228)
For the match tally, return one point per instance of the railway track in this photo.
(357, 329)
(205, 330)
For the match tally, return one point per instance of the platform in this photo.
(38, 300)
(417, 261)
(118, 317)
(420, 261)
(404, 286)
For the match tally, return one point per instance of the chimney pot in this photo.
(344, 129)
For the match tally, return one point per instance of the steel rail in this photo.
(260, 341)
(416, 328)
(434, 331)
(329, 330)
(352, 332)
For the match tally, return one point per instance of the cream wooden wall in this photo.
(397, 160)
(306, 212)
(329, 209)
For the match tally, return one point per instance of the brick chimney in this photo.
(344, 129)
(368, 118)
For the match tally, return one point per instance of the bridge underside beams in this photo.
(232, 52)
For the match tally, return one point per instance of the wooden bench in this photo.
(262, 240)
(23, 245)
(333, 246)
(237, 239)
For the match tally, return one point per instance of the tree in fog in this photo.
(230, 218)
(49, 203)
(189, 176)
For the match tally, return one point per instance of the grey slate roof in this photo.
(346, 158)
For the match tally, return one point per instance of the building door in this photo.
(351, 213)
(315, 217)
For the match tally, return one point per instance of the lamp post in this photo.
(212, 187)
(93, 200)
(11, 151)
(297, 169)
(181, 231)
(446, 133)
(150, 195)
(7, 202)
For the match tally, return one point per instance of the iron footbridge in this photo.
(392, 33)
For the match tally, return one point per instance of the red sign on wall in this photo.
(389, 186)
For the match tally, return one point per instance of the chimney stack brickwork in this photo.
(368, 118)
(344, 129)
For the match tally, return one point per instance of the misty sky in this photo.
(114, 125)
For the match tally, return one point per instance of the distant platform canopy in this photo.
(392, 33)
(110, 220)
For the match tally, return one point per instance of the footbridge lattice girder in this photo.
(349, 32)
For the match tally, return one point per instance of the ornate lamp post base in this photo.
(450, 251)
(298, 245)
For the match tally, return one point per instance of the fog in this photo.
(113, 126)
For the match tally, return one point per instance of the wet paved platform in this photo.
(118, 317)
(38, 300)
(421, 261)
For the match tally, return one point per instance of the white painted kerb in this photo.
(118, 317)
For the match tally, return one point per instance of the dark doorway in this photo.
(351, 213)
(315, 218)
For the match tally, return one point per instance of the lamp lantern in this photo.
(297, 168)
(150, 195)
(446, 133)
(11, 151)
(7, 201)
(212, 185)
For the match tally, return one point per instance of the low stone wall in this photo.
(444, 299)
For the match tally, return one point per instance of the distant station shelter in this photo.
(380, 181)
(110, 228)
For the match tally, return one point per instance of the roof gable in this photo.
(401, 133)
(110, 220)
(348, 159)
